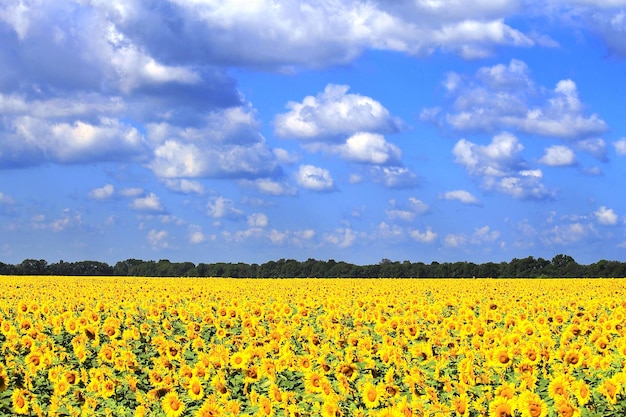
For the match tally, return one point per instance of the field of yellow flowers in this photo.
(312, 347)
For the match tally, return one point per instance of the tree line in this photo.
(530, 267)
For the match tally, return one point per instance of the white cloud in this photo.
(500, 167)
(149, 203)
(593, 146)
(223, 208)
(334, 113)
(484, 234)
(226, 145)
(158, 239)
(455, 240)
(387, 231)
(32, 140)
(342, 237)
(314, 178)
(67, 220)
(296, 237)
(558, 155)
(406, 212)
(286, 157)
(425, 237)
(269, 186)
(393, 176)
(503, 97)
(258, 220)
(566, 234)
(196, 237)
(606, 216)
(463, 196)
(184, 186)
(370, 148)
(102, 193)
(497, 159)
(620, 147)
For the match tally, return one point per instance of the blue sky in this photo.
(250, 131)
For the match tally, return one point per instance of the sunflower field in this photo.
(312, 347)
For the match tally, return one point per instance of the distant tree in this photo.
(32, 267)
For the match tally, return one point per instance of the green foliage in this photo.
(529, 267)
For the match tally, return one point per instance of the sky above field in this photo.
(255, 130)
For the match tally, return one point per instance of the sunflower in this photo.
(313, 382)
(61, 387)
(107, 389)
(582, 392)
(238, 360)
(209, 409)
(330, 409)
(371, 394)
(501, 357)
(573, 358)
(19, 401)
(565, 409)
(506, 390)
(501, 407)
(172, 405)
(531, 405)
(195, 390)
(559, 386)
(610, 388)
(265, 407)
(107, 353)
(460, 405)
(71, 376)
(349, 370)
(276, 395)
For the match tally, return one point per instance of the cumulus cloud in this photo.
(394, 176)
(196, 237)
(500, 167)
(227, 145)
(463, 196)
(620, 147)
(484, 234)
(606, 216)
(334, 114)
(596, 147)
(102, 193)
(453, 240)
(258, 220)
(293, 237)
(406, 211)
(158, 239)
(184, 186)
(341, 237)
(568, 233)
(558, 155)
(370, 148)
(426, 236)
(30, 140)
(505, 97)
(149, 203)
(314, 178)
(269, 186)
(223, 208)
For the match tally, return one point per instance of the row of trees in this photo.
(530, 267)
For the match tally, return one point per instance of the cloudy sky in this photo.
(254, 130)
